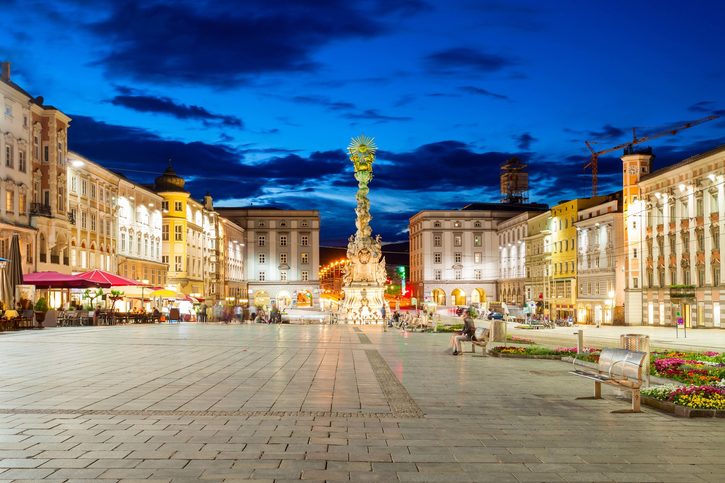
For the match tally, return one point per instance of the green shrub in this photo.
(41, 305)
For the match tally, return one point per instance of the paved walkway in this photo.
(321, 403)
(608, 336)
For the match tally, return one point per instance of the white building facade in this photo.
(281, 256)
(454, 254)
(139, 221)
(600, 264)
(512, 235)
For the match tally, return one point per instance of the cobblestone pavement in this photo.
(319, 403)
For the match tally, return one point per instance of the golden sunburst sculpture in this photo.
(362, 152)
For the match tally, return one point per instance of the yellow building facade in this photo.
(564, 255)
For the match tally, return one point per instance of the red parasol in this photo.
(106, 279)
(55, 280)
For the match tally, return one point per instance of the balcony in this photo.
(40, 209)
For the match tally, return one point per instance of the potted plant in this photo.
(115, 296)
(41, 308)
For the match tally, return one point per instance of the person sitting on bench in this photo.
(469, 329)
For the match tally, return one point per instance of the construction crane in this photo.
(635, 140)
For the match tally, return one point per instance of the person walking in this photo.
(469, 329)
(202, 312)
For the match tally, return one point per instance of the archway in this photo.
(478, 296)
(261, 298)
(439, 296)
(458, 296)
(284, 299)
(304, 298)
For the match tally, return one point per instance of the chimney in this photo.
(6, 71)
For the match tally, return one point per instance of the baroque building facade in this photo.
(16, 170)
(281, 256)
(92, 206)
(678, 242)
(454, 254)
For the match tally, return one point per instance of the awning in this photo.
(55, 280)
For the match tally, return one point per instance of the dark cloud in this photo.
(142, 155)
(226, 43)
(441, 166)
(458, 59)
(479, 91)
(140, 102)
(524, 141)
(707, 107)
(376, 116)
(324, 102)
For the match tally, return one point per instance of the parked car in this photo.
(495, 316)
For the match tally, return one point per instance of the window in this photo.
(437, 258)
(304, 258)
(93, 191)
(304, 223)
(283, 276)
(261, 276)
(84, 187)
(305, 275)
(437, 240)
(9, 201)
(686, 275)
(93, 222)
(84, 220)
(661, 277)
(46, 154)
(634, 253)
(715, 275)
(635, 282)
(9, 156)
(61, 197)
(304, 240)
(715, 237)
(283, 240)
(261, 258)
(22, 164)
(477, 257)
(477, 274)
(165, 232)
(477, 224)
(165, 259)
(457, 257)
(458, 274)
(123, 242)
(177, 263)
(178, 206)
(437, 274)
(701, 276)
(165, 205)
(477, 239)
(458, 240)
(22, 203)
(283, 259)
(699, 207)
(261, 240)
(178, 233)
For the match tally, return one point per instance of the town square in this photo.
(362, 241)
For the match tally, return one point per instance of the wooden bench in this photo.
(482, 337)
(617, 367)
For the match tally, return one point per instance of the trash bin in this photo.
(498, 331)
(640, 343)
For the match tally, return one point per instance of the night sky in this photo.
(255, 101)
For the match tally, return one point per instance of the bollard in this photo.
(579, 341)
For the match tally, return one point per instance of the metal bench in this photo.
(617, 367)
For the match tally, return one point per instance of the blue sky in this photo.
(255, 101)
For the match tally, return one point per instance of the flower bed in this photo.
(538, 352)
(519, 340)
(696, 368)
(687, 401)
